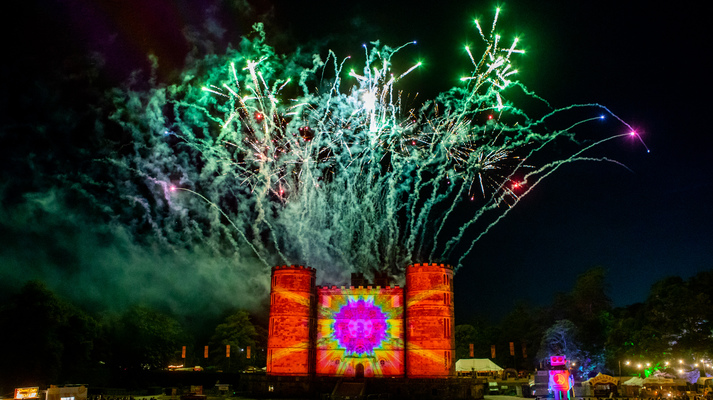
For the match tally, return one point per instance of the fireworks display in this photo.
(309, 161)
(131, 169)
(150, 159)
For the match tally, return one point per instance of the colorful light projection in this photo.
(291, 321)
(430, 344)
(360, 326)
(360, 332)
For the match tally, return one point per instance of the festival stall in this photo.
(603, 385)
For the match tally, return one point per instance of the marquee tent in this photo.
(635, 381)
(477, 365)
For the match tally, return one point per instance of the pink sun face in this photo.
(359, 327)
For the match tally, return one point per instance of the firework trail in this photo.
(337, 173)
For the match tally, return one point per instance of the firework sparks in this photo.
(341, 174)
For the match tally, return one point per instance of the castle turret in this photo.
(430, 340)
(290, 343)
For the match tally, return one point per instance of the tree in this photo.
(238, 332)
(560, 340)
(522, 326)
(78, 337)
(675, 321)
(589, 295)
(679, 317)
(465, 335)
(591, 312)
(627, 324)
(146, 339)
(46, 339)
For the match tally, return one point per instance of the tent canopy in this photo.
(635, 381)
(477, 365)
(656, 381)
(705, 381)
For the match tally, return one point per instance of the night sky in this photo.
(645, 62)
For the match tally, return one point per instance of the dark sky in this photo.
(643, 61)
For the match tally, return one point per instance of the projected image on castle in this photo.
(359, 327)
(367, 329)
(360, 330)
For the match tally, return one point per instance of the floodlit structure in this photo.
(363, 330)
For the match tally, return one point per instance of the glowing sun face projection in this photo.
(360, 330)
(359, 327)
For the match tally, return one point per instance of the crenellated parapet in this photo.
(359, 290)
(430, 265)
(293, 267)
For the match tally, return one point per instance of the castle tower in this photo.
(290, 345)
(430, 340)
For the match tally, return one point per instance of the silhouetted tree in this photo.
(464, 336)
(676, 320)
(45, 338)
(560, 340)
(521, 326)
(145, 339)
(592, 314)
(237, 331)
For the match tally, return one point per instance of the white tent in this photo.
(477, 365)
(635, 381)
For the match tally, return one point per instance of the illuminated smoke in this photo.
(255, 159)
(305, 160)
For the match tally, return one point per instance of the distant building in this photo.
(362, 330)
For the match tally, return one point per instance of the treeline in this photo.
(47, 340)
(674, 323)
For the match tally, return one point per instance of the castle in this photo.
(362, 330)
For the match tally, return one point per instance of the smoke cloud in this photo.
(183, 182)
